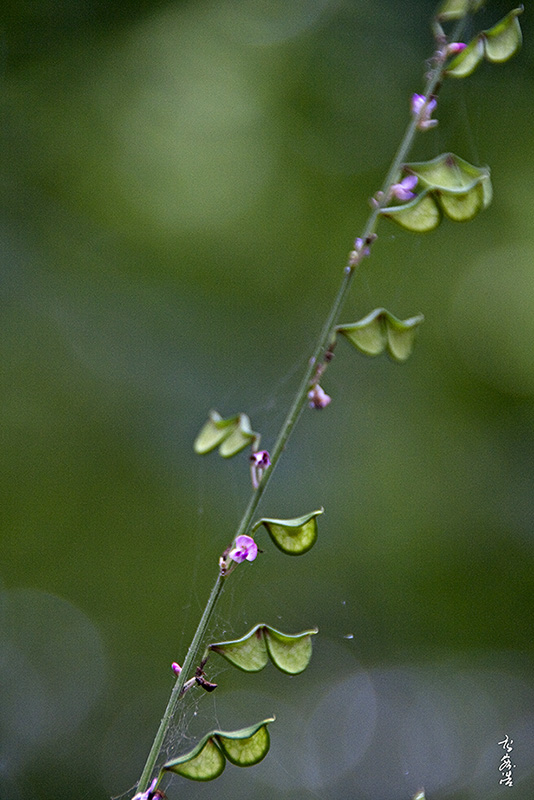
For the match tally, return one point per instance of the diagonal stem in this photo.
(432, 87)
(176, 693)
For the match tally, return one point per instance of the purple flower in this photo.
(361, 247)
(151, 793)
(261, 459)
(403, 190)
(418, 101)
(422, 109)
(318, 397)
(245, 549)
(176, 668)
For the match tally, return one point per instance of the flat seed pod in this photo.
(466, 62)
(230, 435)
(240, 437)
(462, 206)
(204, 763)
(207, 760)
(401, 336)
(213, 433)
(381, 332)
(291, 653)
(455, 187)
(497, 45)
(420, 215)
(447, 173)
(292, 536)
(457, 9)
(504, 39)
(245, 752)
(368, 335)
(248, 653)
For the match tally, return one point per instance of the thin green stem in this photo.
(321, 346)
(299, 401)
(176, 694)
(433, 82)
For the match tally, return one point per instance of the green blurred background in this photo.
(182, 182)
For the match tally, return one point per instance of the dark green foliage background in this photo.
(182, 182)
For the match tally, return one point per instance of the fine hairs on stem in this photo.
(415, 196)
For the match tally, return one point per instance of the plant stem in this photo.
(433, 83)
(176, 693)
(432, 87)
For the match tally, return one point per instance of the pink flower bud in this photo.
(318, 397)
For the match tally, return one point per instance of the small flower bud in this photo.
(318, 397)
(455, 47)
(376, 199)
(361, 249)
(176, 668)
